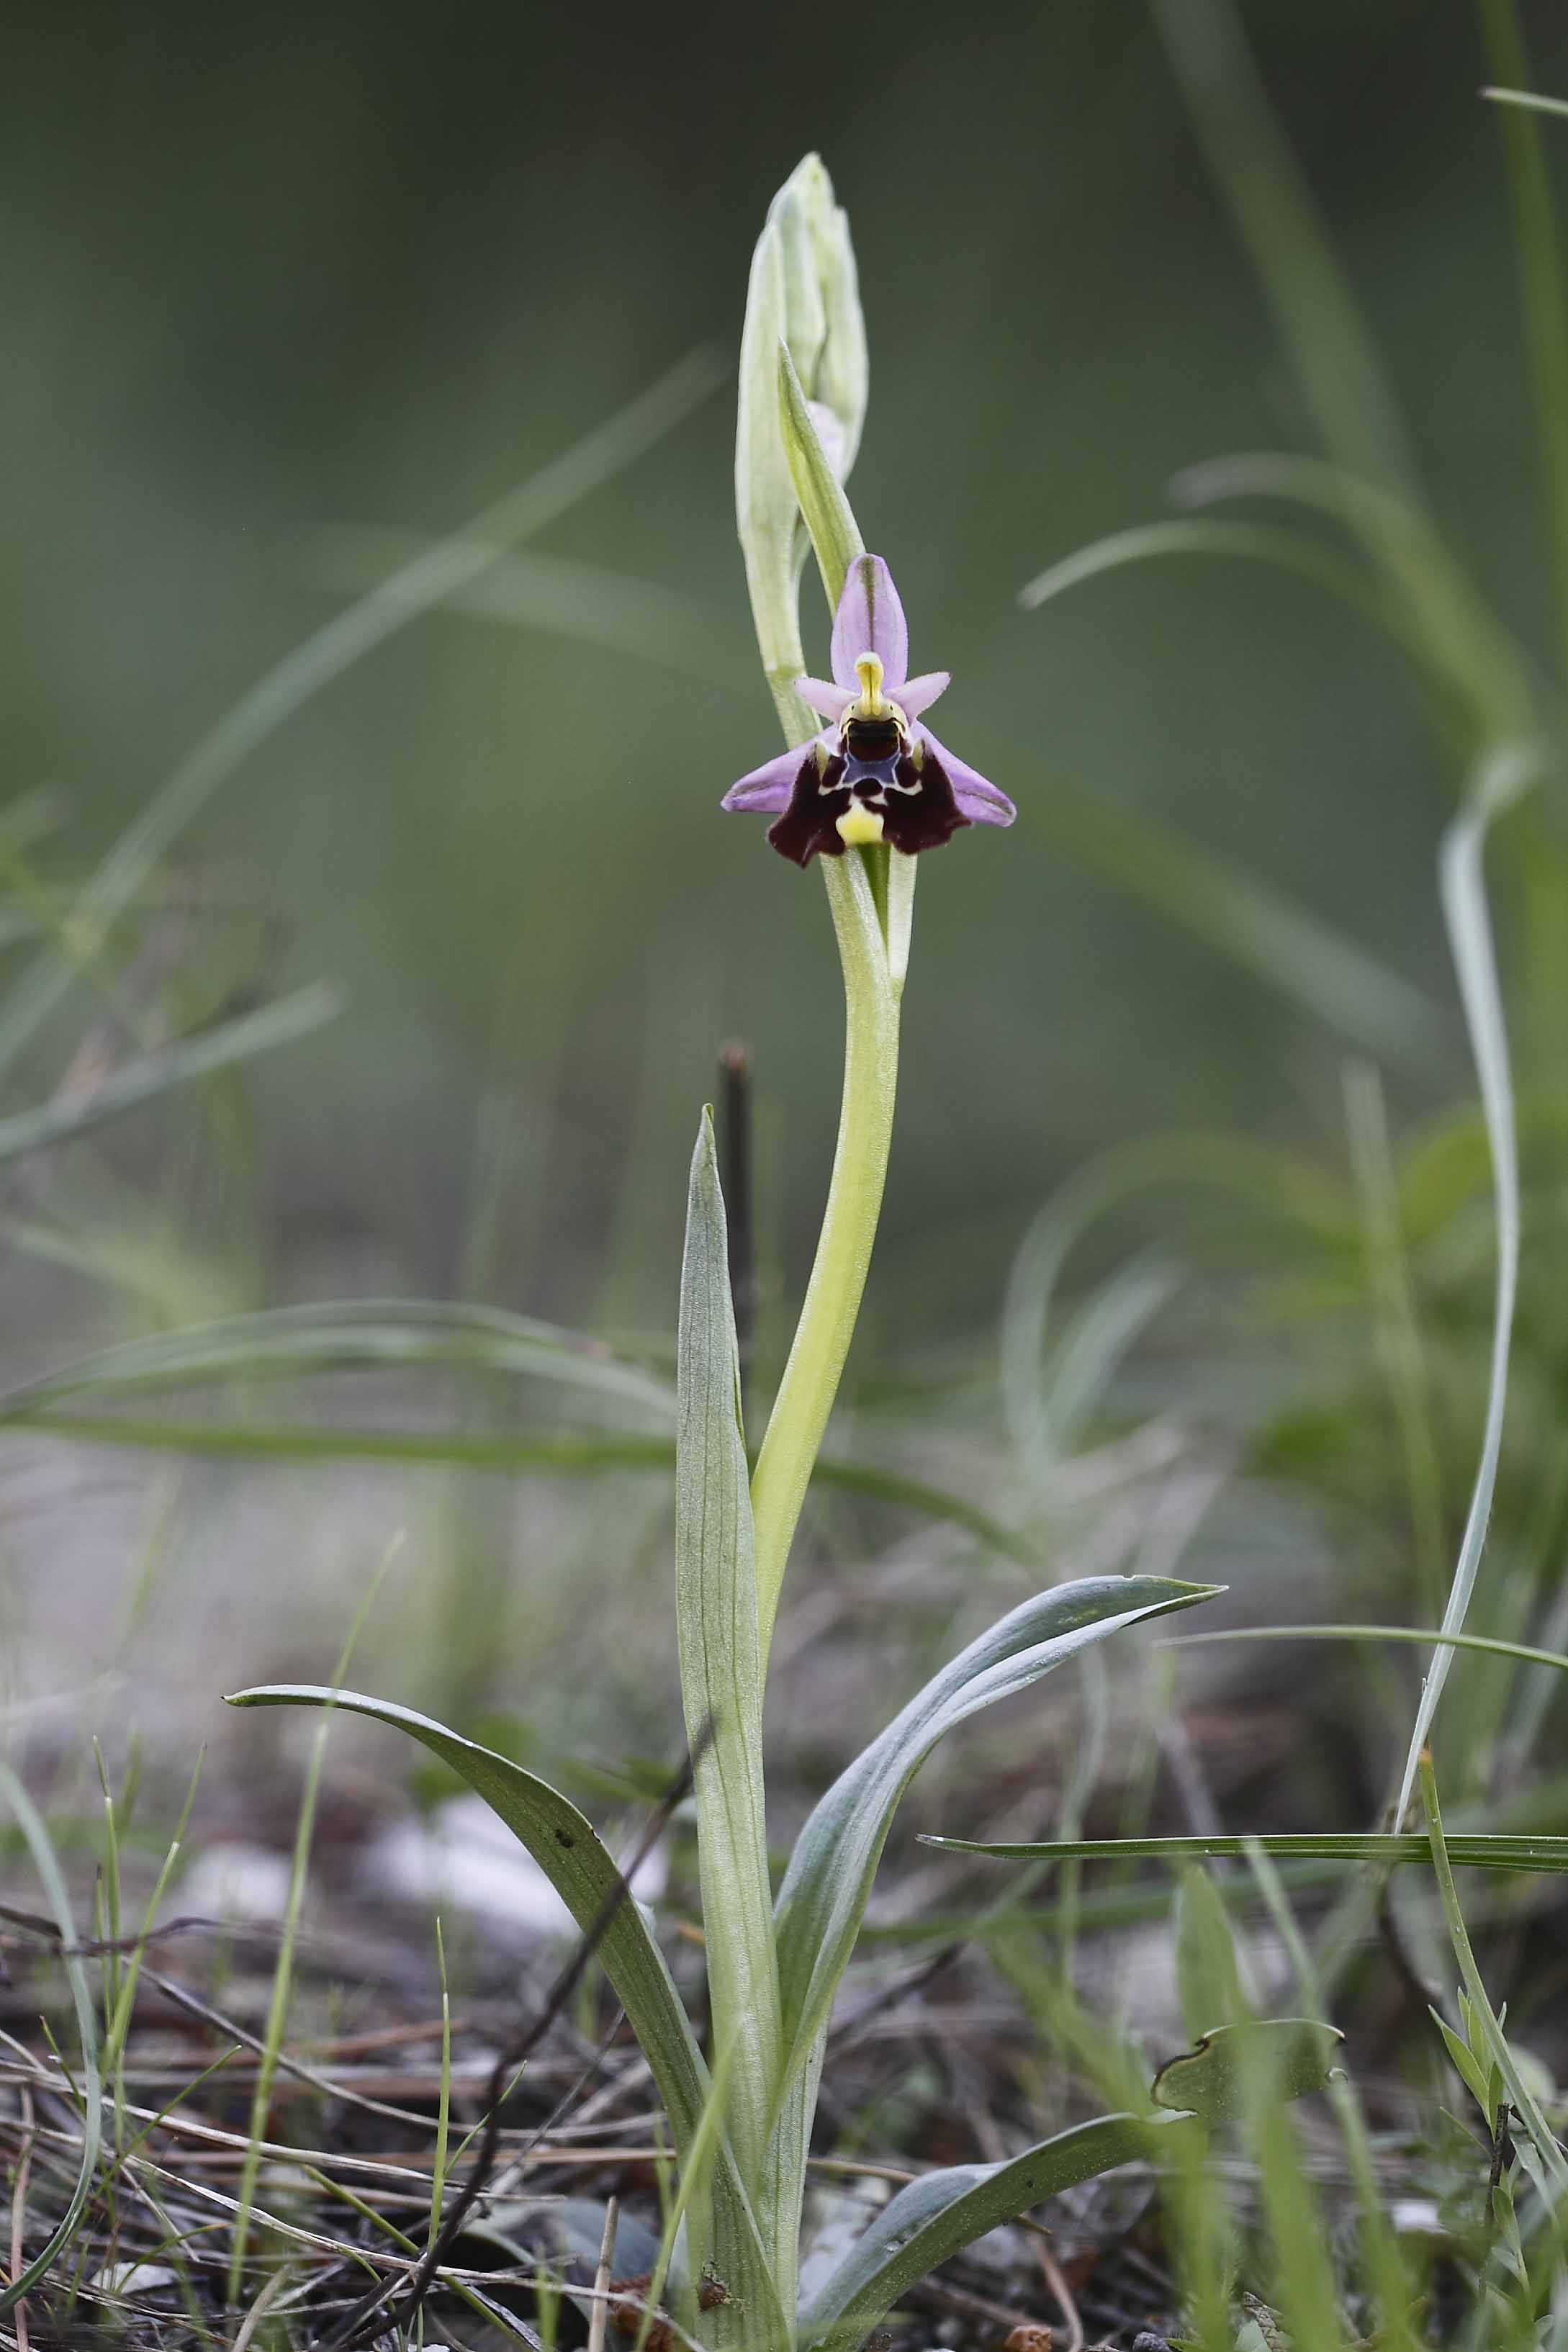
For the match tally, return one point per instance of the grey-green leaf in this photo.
(1278, 2058)
(939, 2214)
(575, 1860)
(721, 1686)
(827, 1882)
(577, 1863)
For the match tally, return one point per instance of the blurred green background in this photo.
(290, 292)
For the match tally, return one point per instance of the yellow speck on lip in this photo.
(858, 825)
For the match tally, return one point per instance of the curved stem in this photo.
(810, 1382)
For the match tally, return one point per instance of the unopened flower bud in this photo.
(803, 294)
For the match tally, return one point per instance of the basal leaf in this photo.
(937, 2216)
(721, 1688)
(830, 1872)
(577, 1863)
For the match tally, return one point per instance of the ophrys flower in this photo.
(875, 773)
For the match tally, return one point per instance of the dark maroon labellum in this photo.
(915, 805)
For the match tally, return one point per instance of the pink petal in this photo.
(829, 701)
(768, 788)
(980, 801)
(870, 620)
(918, 694)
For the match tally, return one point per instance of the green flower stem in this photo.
(811, 1376)
(870, 894)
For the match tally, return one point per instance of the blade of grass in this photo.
(571, 1455)
(1384, 2261)
(1541, 271)
(54, 1887)
(328, 652)
(1291, 550)
(1396, 1329)
(348, 1335)
(581, 601)
(145, 1075)
(1521, 2091)
(1499, 781)
(1466, 653)
(1531, 99)
(1417, 1634)
(283, 1975)
(1477, 1853)
(444, 2106)
(1332, 355)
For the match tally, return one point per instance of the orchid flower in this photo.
(875, 773)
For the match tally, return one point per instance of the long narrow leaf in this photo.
(1499, 782)
(573, 1454)
(939, 2214)
(1522, 1652)
(1499, 1852)
(722, 1682)
(1258, 542)
(573, 1857)
(1541, 271)
(829, 1877)
(347, 1335)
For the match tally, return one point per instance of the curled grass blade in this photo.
(1462, 647)
(1498, 782)
(54, 1887)
(1258, 543)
